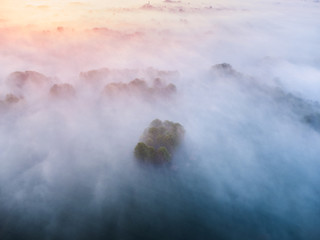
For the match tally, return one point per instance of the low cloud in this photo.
(74, 102)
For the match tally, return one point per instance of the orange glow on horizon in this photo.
(73, 14)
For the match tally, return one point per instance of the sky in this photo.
(72, 13)
(80, 14)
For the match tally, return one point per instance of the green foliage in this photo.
(144, 152)
(159, 141)
(141, 151)
(163, 154)
(156, 123)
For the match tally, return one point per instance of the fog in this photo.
(246, 77)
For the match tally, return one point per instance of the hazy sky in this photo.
(49, 13)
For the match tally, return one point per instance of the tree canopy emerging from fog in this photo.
(139, 87)
(64, 90)
(159, 142)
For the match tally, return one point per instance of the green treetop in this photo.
(159, 141)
